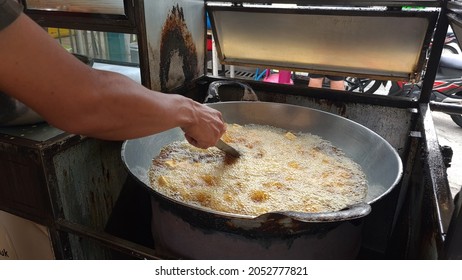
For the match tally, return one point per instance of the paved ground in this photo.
(450, 134)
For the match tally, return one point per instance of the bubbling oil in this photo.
(278, 170)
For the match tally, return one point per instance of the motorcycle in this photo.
(363, 85)
(450, 43)
(447, 87)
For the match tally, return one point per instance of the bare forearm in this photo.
(118, 108)
(82, 100)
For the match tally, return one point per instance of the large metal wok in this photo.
(187, 231)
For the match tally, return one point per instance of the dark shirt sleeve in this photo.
(9, 11)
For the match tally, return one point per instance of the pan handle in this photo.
(214, 97)
(352, 212)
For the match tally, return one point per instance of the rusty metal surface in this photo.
(84, 178)
(87, 179)
(49, 174)
(23, 189)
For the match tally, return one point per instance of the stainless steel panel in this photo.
(361, 43)
(343, 2)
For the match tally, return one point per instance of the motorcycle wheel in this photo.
(457, 118)
(450, 49)
(361, 85)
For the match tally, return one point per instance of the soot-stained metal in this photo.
(176, 39)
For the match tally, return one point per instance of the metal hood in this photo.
(376, 42)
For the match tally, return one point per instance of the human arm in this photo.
(81, 100)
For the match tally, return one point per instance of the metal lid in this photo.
(400, 3)
(364, 42)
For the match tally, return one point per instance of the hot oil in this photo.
(278, 171)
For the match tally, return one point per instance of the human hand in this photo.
(206, 127)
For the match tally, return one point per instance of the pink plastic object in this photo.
(283, 77)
